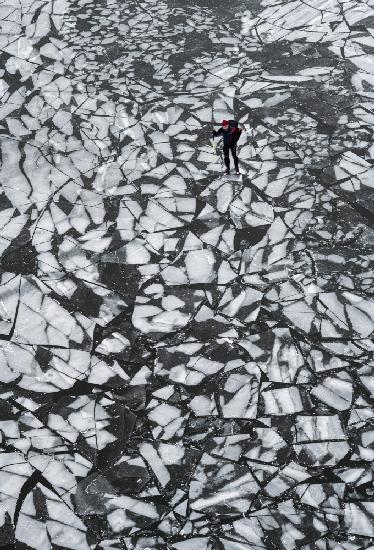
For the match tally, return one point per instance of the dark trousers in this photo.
(226, 155)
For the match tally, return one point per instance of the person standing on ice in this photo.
(231, 133)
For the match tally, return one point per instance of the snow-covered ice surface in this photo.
(187, 360)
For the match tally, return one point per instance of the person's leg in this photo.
(235, 157)
(226, 156)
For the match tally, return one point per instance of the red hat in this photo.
(225, 122)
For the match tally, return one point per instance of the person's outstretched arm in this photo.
(218, 133)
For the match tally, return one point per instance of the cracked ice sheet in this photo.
(186, 359)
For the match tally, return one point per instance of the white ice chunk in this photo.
(199, 265)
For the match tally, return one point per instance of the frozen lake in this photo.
(186, 357)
